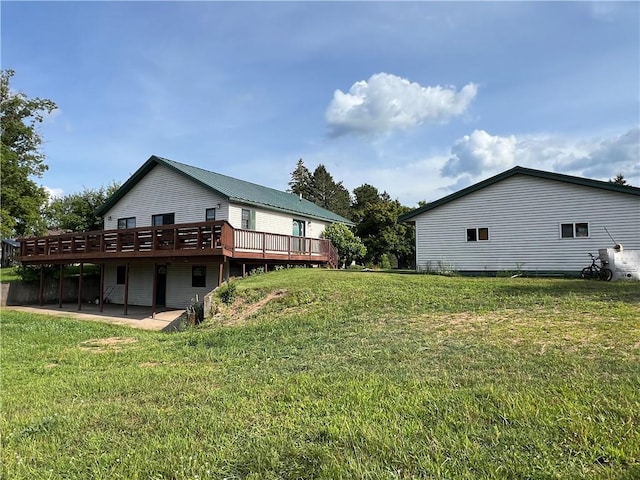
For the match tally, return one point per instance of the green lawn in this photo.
(8, 274)
(341, 375)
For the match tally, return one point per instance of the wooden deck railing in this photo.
(188, 236)
(189, 239)
(251, 244)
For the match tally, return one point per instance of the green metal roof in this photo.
(237, 191)
(585, 182)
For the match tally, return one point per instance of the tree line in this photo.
(376, 238)
(387, 243)
(26, 208)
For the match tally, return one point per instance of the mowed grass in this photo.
(8, 274)
(342, 375)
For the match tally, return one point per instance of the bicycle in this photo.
(594, 271)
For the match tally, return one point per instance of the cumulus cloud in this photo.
(621, 152)
(387, 102)
(475, 153)
(482, 154)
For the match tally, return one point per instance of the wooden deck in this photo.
(205, 239)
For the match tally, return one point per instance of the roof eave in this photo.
(275, 208)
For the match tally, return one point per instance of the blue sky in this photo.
(416, 98)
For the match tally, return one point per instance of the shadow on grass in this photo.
(588, 290)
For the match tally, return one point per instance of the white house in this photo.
(173, 231)
(525, 220)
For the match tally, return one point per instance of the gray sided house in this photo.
(173, 231)
(525, 220)
(9, 249)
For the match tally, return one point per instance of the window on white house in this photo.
(477, 234)
(198, 276)
(574, 230)
(163, 219)
(210, 215)
(248, 219)
(129, 222)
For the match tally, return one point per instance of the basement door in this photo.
(161, 285)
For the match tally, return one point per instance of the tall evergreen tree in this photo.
(619, 179)
(21, 159)
(329, 194)
(300, 183)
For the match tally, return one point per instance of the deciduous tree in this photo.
(77, 212)
(350, 248)
(21, 160)
(377, 224)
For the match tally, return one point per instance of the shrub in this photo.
(256, 271)
(31, 273)
(227, 292)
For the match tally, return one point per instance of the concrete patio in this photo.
(137, 316)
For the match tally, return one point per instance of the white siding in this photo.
(164, 191)
(179, 289)
(140, 284)
(523, 215)
(315, 228)
(275, 222)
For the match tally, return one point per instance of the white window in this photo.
(248, 219)
(199, 276)
(574, 230)
(163, 219)
(129, 222)
(477, 234)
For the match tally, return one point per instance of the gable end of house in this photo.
(585, 182)
(233, 189)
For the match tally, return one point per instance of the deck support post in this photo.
(221, 272)
(126, 290)
(80, 286)
(41, 292)
(154, 294)
(266, 267)
(244, 270)
(102, 269)
(60, 285)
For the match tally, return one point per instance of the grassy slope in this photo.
(348, 375)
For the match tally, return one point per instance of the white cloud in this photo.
(386, 102)
(620, 153)
(54, 192)
(478, 152)
(482, 154)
